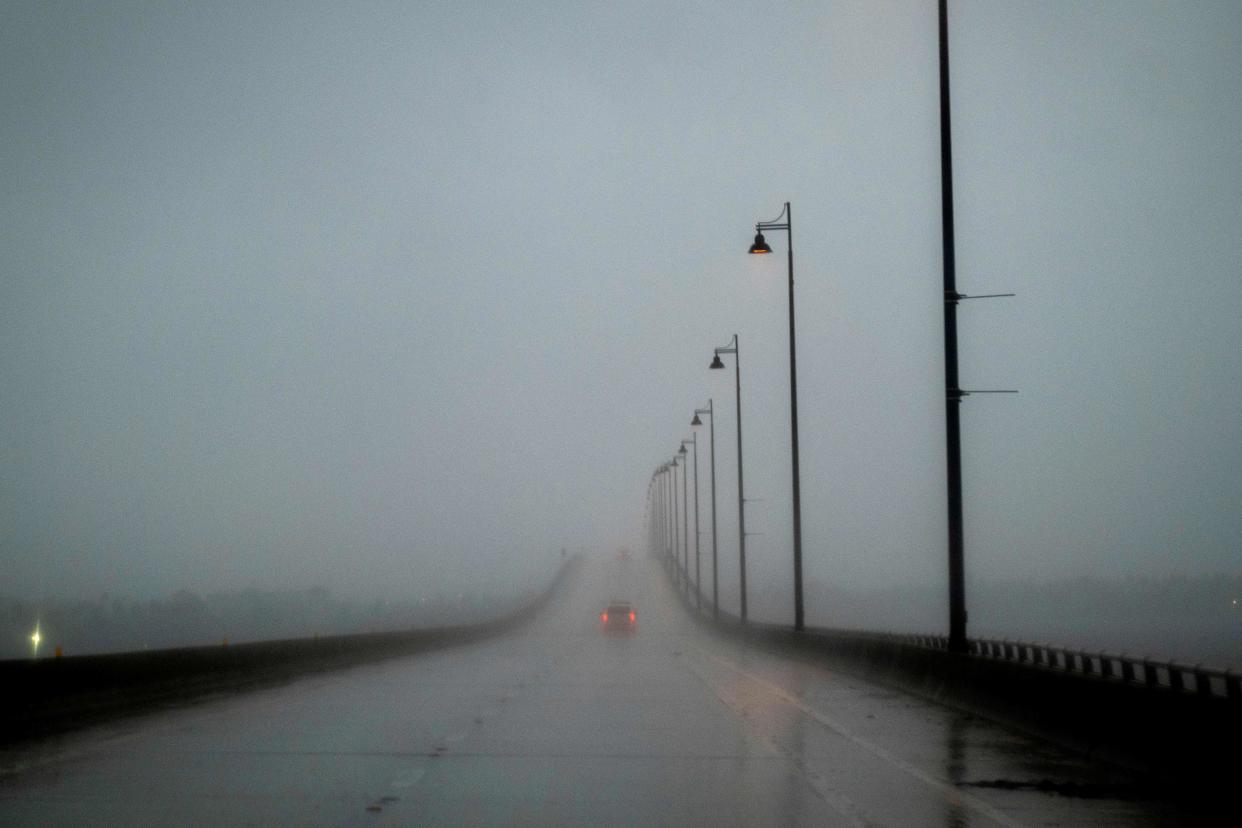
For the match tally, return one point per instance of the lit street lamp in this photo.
(712, 439)
(732, 348)
(760, 246)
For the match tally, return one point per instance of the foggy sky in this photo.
(390, 293)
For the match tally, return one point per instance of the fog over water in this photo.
(399, 297)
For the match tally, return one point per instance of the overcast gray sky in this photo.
(377, 294)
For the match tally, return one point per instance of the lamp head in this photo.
(696, 421)
(760, 246)
(716, 363)
(682, 450)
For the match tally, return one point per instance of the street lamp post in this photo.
(677, 520)
(672, 497)
(660, 508)
(650, 515)
(655, 513)
(666, 519)
(761, 246)
(685, 521)
(733, 348)
(698, 571)
(712, 439)
(657, 506)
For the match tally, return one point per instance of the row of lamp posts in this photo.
(665, 527)
(953, 397)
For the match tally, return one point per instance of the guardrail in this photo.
(1179, 723)
(1172, 676)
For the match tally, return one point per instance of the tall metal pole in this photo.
(741, 499)
(672, 518)
(674, 542)
(659, 516)
(659, 505)
(761, 246)
(677, 530)
(653, 494)
(793, 429)
(655, 515)
(677, 521)
(685, 528)
(655, 509)
(662, 507)
(711, 413)
(735, 348)
(651, 517)
(669, 479)
(668, 524)
(698, 570)
(953, 394)
(715, 569)
(666, 520)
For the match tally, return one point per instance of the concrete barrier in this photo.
(43, 696)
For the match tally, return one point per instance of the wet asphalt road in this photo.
(558, 724)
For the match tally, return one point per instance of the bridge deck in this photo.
(555, 723)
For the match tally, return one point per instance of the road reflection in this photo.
(955, 769)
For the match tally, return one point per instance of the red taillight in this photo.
(603, 616)
(631, 617)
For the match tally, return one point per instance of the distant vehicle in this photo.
(623, 554)
(619, 617)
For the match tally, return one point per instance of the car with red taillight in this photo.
(619, 616)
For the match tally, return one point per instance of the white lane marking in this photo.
(946, 789)
(836, 800)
